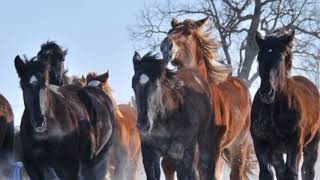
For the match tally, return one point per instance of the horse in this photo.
(188, 45)
(285, 112)
(69, 128)
(174, 118)
(55, 55)
(6, 134)
(125, 153)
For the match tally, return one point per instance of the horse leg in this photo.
(279, 165)
(167, 168)
(121, 165)
(133, 167)
(69, 171)
(188, 166)
(294, 152)
(263, 152)
(310, 154)
(209, 154)
(34, 171)
(238, 158)
(151, 163)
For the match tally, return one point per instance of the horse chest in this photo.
(274, 122)
(168, 139)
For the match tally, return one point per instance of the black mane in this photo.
(53, 47)
(155, 65)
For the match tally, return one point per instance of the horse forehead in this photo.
(143, 79)
(94, 83)
(33, 79)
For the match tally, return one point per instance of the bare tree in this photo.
(234, 24)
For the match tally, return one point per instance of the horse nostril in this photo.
(170, 45)
(270, 93)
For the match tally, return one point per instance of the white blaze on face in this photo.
(94, 83)
(33, 80)
(155, 105)
(143, 79)
(43, 100)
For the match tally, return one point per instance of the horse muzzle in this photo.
(266, 96)
(168, 49)
(143, 126)
(41, 127)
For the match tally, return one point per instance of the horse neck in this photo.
(202, 70)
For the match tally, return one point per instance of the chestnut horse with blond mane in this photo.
(188, 45)
(126, 151)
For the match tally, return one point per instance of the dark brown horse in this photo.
(6, 135)
(174, 119)
(69, 128)
(285, 112)
(188, 45)
(125, 153)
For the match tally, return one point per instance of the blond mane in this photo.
(207, 50)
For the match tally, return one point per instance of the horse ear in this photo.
(82, 80)
(104, 77)
(65, 52)
(19, 64)
(288, 37)
(89, 77)
(259, 39)
(200, 23)
(136, 58)
(174, 22)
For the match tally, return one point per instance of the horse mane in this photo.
(207, 48)
(287, 55)
(155, 57)
(53, 46)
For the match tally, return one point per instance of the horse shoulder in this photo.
(304, 96)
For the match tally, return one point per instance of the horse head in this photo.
(274, 61)
(148, 72)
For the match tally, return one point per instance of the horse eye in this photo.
(269, 50)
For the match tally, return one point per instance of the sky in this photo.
(94, 32)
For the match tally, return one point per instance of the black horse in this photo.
(174, 116)
(69, 129)
(285, 112)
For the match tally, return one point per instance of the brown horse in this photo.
(6, 134)
(126, 152)
(285, 112)
(188, 45)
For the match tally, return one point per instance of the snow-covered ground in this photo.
(227, 171)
